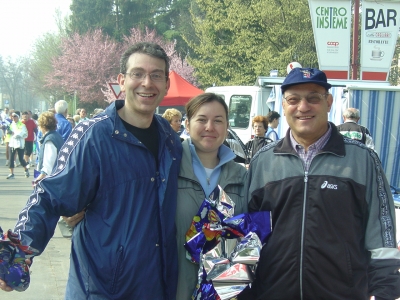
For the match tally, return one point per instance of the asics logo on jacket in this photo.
(328, 186)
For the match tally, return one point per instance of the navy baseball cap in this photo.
(305, 75)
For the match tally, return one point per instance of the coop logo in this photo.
(328, 186)
(333, 44)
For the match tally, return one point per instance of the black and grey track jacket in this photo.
(333, 226)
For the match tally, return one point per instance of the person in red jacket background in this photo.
(32, 131)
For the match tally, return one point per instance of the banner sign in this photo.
(379, 32)
(331, 22)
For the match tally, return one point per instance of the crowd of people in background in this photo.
(22, 135)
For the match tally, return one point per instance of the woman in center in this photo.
(206, 163)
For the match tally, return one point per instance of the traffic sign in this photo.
(116, 89)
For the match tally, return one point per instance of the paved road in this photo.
(50, 270)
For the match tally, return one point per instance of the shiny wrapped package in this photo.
(13, 268)
(206, 229)
(247, 250)
(257, 222)
(226, 247)
(205, 289)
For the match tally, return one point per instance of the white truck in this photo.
(378, 102)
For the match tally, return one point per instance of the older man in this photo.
(64, 127)
(333, 215)
(352, 130)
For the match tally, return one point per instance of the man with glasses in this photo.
(333, 232)
(121, 167)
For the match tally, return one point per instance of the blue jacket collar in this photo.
(119, 130)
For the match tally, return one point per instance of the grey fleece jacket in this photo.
(190, 197)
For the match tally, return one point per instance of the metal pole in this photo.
(74, 106)
(354, 64)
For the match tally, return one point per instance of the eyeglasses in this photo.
(139, 76)
(312, 98)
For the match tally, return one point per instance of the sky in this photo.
(23, 21)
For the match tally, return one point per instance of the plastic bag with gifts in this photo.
(229, 267)
(13, 268)
(206, 229)
(226, 247)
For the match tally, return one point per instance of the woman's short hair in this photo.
(170, 113)
(260, 119)
(48, 121)
(195, 103)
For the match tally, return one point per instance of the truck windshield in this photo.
(239, 111)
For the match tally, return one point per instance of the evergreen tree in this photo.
(115, 17)
(175, 22)
(239, 40)
(92, 14)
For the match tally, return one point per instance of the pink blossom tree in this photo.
(85, 63)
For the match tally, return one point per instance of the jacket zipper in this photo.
(304, 220)
(302, 233)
